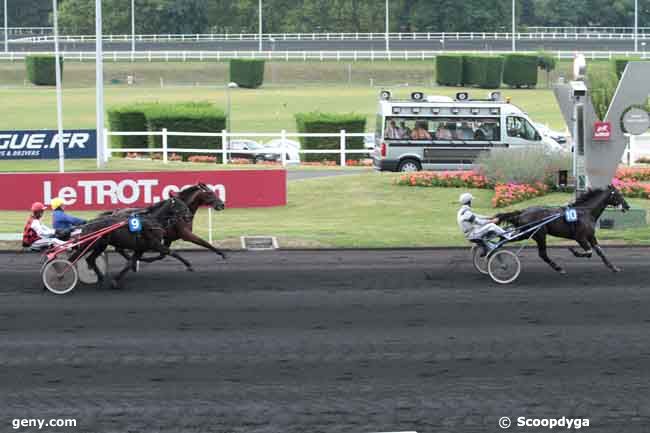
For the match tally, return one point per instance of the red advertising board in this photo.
(602, 131)
(111, 190)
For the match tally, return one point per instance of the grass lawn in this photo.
(268, 109)
(361, 210)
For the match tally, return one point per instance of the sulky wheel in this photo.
(60, 276)
(504, 266)
(480, 262)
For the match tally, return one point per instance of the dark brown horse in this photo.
(589, 207)
(179, 223)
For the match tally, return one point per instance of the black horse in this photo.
(177, 220)
(589, 207)
(150, 238)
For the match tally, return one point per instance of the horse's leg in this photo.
(585, 246)
(540, 238)
(187, 235)
(130, 265)
(594, 243)
(92, 263)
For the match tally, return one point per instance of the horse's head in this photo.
(616, 199)
(207, 197)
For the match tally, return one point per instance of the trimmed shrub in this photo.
(602, 86)
(527, 165)
(482, 71)
(41, 70)
(247, 73)
(128, 118)
(317, 122)
(546, 62)
(449, 70)
(520, 70)
(186, 117)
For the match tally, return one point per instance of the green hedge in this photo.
(482, 71)
(128, 118)
(41, 70)
(186, 117)
(317, 122)
(247, 73)
(520, 70)
(449, 70)
(602, 86)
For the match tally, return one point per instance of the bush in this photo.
(482, 71)
(449, 70)
(527, 165)
(520, 70)
(546, 62)
(247, 73)
(41, 70)
(128, 118)
(602, 86)
(317, 122)
(186, 117)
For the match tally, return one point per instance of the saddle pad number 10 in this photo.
(135, 225)
(571, 215)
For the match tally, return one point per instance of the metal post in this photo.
(59, 96)
(283, 147)
(514, 27)
(636, 26)
(133, 26)
(260, 25)
(224, 147)
(210, 225)
(99, 85)
(342, 145)
(6, 30)
(387, 27)
(165, 145)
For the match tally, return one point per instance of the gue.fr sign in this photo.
(602, 131)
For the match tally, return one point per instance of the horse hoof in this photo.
(616, 270)
(115, 285)
(224, 257)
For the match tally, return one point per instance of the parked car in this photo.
(557, 136)
(251, 150)
(292, 149)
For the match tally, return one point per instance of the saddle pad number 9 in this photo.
(571, 215)
(135, 225)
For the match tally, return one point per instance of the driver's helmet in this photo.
(465, 198)
(57, 203)
(37, 206)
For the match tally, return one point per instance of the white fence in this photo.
(193, 56)
(561, 33)
(342, 151)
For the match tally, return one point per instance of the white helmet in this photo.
(466, 198)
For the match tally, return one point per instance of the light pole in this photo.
(387, 27)
(133, 26)
(102, 155)
(260, 25)
(59, 96)
(514, 27)
(229, 86)
(636, 26)
(6, 30)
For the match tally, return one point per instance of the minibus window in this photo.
(521, 128)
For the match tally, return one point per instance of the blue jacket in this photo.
(63, 221)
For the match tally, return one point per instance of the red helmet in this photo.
(38, 206)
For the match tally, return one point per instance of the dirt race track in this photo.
(330, 341)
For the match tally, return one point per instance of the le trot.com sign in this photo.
(45, 144)
(112, 190)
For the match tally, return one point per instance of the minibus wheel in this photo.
(408, 165)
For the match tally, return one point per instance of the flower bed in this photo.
(202, 158)
(633, 174)
(454, 179)
(511, 193)
(632, 188)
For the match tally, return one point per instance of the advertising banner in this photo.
(113, 190)
(45, 144)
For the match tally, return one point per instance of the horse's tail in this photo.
(509, 217)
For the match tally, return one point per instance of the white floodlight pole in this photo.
(59, 96)
(132, 26)
(387, 27)
(6, 30)
(99, 85)
(260, 25)
(636, 26)
(514, 27)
